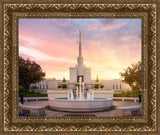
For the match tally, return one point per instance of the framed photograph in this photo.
(82, 67)
(93, 80)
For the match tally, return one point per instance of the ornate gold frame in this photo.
(148, 11)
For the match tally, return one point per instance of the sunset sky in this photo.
(108, 45)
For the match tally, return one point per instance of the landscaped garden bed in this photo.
(128, 94)
(34, 94)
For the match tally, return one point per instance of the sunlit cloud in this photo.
(108, 45)
(30, 52)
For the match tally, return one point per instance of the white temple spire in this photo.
(80, 58)
(80, 48)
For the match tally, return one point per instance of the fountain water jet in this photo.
(70, 95)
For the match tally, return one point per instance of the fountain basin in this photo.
(83, 105)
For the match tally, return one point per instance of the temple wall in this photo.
(73, 75)
(87, 75)
(108, 84)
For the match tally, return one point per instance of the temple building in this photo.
(80, 70)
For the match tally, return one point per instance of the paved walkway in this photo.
(54, 113)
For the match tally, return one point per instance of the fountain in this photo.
(80, 103)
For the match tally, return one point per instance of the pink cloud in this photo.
(111, 27)
(58, 48)
(129, 38)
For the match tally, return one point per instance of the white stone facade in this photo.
(85, 72)
(73, 74)
(102, 93)
(108, 84)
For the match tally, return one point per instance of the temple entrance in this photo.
(79, 77)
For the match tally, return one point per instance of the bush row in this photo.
(128, 94)
(33, 94)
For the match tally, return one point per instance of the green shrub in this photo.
(34, 87)
(21, 89)
(102, 86)
(64, 86)
(34, 94)
(96, 86)
(128, 94)
(59, 86)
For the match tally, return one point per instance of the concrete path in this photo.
(54, 113)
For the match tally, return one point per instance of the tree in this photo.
(97, 80)
(132, 76)
(29, 72)
(64, 80)
(64, 86)
(96, 86)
